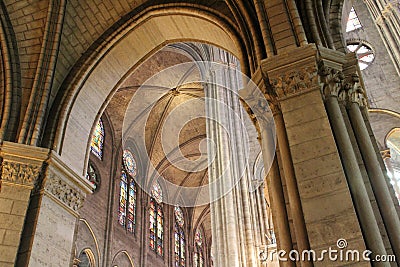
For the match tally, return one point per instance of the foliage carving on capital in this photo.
(355, 92)
(331, 80)
(64, 192)
(19, 173)
(295, 81)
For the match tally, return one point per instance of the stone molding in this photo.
(298, 71)
(21, 164)
(61, 190)
(19, 173)
(295, 81)
(44, 172)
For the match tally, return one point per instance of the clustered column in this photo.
(234, 230)
(345, 98)
(356, 106)
(332, 91)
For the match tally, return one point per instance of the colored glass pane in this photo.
(123, 196)
(198, 258)
(179, 238)
(179, 216)
(132, 207)
(92, 177)
(156, 192)
(129, 163)
(198, 238)
(156, 226)
(97, 142)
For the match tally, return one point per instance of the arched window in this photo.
(353, 22)
(198, 251)
(93, 177)
(128, 194)
(180, 246)
(393, 163)
(156, 220)
(364, 52)
(86, 259)
(97, 143)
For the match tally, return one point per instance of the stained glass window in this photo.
(179, 238)
(364, 53)
(198, 253)
(156, 192)
(97, 143)
(93, 177)
(123, 196)
(128, 193)
(129, 163)
(156, 220)
(353, 22)
(179, 216)
(132, 207)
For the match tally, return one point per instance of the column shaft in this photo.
(377, 178)
(358, 191)
(291, 185)
(278, 206)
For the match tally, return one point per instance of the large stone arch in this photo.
(10, 77)
(90, 92)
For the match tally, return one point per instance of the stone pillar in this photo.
(279, 212)
(290, 180)
(318, 171)
(356, 97)
(48, 235)
(333, 90)
(231, 214)
(20, 168)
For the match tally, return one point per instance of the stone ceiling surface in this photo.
(177, 117)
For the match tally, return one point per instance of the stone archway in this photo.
(120, 57)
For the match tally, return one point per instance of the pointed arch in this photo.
(11, 72)
(119, 53)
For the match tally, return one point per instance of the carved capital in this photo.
(354, 91)
(294, 82)
(68, 195)
(331, 80)
(19, 173)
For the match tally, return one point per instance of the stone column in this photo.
(233, 228)
(326, 201)
(332, 89)
(20, 169)
(48, 235)
(290, 179)
(370, 158)
(279, 212)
